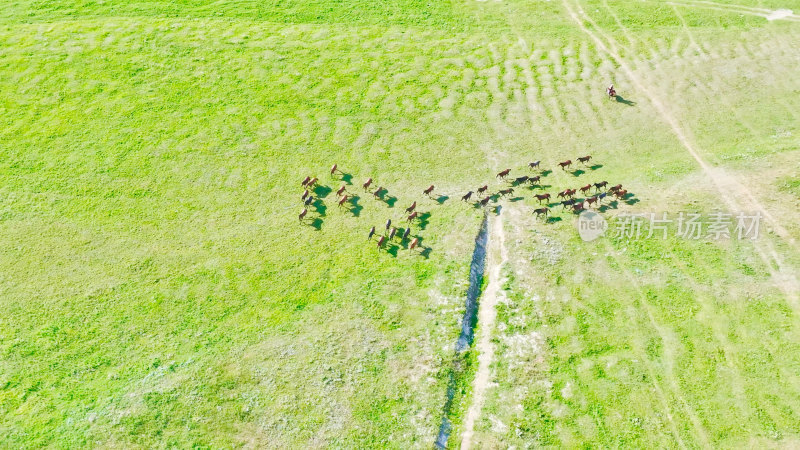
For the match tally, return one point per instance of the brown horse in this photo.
(428, 191)
(565, 164)
(312, 182)
(303, 214)
(412, 216)
(483, 189)
(622, 193)
(394, 231)
(542, 197)
(502, 175)
(306, 180)
(367, 184)
(591, 200)
(584, 159)
(534, 165)
(534, 180)
(413, 244)
(505, 192)
(334, 169)
(571, 192)
(563, 194)
(486, 201)
(541, 211)
(341, 190)
(615, 188)
(467, 196)
(305, 194)
(371, 233)
(381, 241)
(577, 207)
(586, 188)
(378, 191)
(343, 200)
(412, 207)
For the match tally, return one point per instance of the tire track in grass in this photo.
(487, 316)
(730, 190)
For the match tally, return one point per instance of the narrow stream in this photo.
(468, 323)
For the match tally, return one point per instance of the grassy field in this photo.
(157, 290)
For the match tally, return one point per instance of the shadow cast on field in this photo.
(390, 201)
(441, 199)
(595, 166)
(356, 208)
(322, 191)
(516, 199)
(423, 220)
(577, 173)
(621, 99)
(347, 178)
(316, 224)
(319, 207)
(552, 219)
(546, 172)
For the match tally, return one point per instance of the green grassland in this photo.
(157, 290)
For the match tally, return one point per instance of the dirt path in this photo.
(487, 316)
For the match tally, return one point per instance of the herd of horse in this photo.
(592, 195)
(345, 197)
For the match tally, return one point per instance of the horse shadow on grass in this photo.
(595, 166)
(546, 173)
(423, 220)
(319, 207)
(392, 250)
(347, 178)
(355, 209)
(322, 191)
(577, 173)
(441, 199)
(316, 224)
(390, 200)
(553, 219)
(621, 99)
(426, 252)
(516, 199)
(612, 205)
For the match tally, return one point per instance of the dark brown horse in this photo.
(394, 231)
(412, 216)
(534, 180)
(341, 190)
(486, 201)
(615, 188)
(534, 165)
(428, 191)
(305, 194)
(371, 233)
(565, 164)
(502, 175)
(306, 180)
(381, 241)
(586, 188)
(591, 200)
(367, 184)
(378, 192)
(577, 207)
(303, 214)
(483, 189)
(542, 197)
(343, 200)
(412, 207)
(584, 159)
(467, 196)
(505, 192)
(541, 211)
(520, 180)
